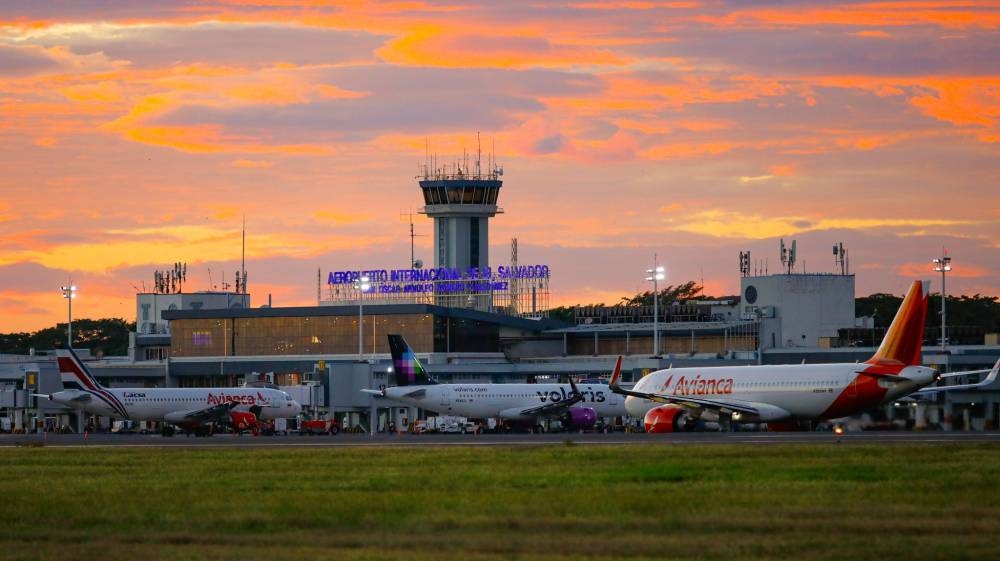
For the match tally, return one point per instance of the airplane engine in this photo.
(579, 418)
(665, 418)
(242, 420)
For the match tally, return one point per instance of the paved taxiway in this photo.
(589, 439)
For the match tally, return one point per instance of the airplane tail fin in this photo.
(74, 374)
(409, 371)
(903, 340)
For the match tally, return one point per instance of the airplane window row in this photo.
(785, 384)
(163, 399)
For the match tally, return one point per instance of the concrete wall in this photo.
(808, 307)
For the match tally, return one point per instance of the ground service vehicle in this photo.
(319, 426)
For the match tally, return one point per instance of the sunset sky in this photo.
(137, 134)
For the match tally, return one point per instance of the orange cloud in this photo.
(224, 212)
(333, 92)
(961, 101)
(207, 139)
(687, 150)
(103, 92)
(926, 270)
(434, 45)
(115, 248)
(245, 163)
(267, 94)
(876, 33)
(731, 224)
(340, 217)
(944, 14)
(671, 208)
(782, 170)
(633, 5)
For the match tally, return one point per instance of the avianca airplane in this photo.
(192, 409)
(577, 407)
(671, 399)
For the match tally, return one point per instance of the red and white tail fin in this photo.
(905, 337)
(75, 376)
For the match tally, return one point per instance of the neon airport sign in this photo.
(440, 280)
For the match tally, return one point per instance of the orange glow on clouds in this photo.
(877, 14)
(727, 224)
(208, 139)
(431, 45)
(141, 136)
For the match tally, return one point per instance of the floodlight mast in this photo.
(943, 265)
(655, 274)
(69, 293)
(362, 285)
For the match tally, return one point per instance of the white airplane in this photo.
(577, 407)
(675, 398)
(192, 409)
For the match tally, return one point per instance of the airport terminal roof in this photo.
(541, 324)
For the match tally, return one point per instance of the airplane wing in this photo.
(216, 413)
(988, 380)
(554, 408)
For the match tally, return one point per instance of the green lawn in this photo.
(803, 502)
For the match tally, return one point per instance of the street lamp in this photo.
(361, 285)
(942, 265)
(69, 293)
(655, 274)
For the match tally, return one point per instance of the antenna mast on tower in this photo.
(413, 260)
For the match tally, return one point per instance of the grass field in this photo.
(829, 502)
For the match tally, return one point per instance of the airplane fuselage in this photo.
(815, 391)
(166, 404)
(481, 401)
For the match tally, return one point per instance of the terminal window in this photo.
(201, 338)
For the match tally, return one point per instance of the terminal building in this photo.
(470, 321)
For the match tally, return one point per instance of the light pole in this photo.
(942, 265)
(69, 293)
(361, 285)
(655, 274)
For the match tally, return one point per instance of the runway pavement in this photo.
(587, 439)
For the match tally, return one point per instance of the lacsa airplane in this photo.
(192, 409)
(783, 396)
(577, 407)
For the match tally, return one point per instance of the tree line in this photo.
(104, 337)
(968, 318)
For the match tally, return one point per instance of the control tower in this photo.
(461, 201)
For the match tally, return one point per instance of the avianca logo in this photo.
(233, 398)
(699, 386)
